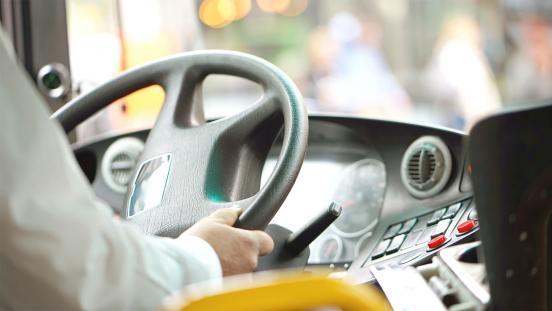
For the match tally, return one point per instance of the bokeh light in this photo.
(243, 7)
(295, 8)
(219, 13)
(274, 6)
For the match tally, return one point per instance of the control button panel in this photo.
(423, 234)
(416, 238)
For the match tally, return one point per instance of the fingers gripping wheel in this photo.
(190, 168)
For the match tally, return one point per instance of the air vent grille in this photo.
(121, 168)
(422, 166)
(119, 161)
(426, 167)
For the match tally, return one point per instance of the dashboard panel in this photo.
(357, 163)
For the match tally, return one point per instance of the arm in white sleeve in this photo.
(59, 249)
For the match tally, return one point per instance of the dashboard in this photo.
(399, 185)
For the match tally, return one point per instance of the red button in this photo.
(437, 241)
(466, 226)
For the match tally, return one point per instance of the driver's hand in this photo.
(238, 249)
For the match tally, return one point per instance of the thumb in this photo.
(266, 244)
(226, 216)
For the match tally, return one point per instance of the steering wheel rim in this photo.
(181, 122)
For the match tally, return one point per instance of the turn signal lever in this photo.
(300, 240)
(291, 250)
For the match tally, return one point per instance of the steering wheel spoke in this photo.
(183, 104)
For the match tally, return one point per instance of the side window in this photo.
(107, 37)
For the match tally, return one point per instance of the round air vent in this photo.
(426, 167)
(119, 161)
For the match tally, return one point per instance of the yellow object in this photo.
(288, 292)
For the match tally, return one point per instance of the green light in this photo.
(51, 80)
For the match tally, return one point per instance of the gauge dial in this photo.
(331, 248)
(360, 192)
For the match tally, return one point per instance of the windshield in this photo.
(445, 63)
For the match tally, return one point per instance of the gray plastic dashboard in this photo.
(335, 144)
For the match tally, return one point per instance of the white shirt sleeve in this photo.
(59, 248)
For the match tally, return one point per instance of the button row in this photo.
(401, 235)
(428, 236)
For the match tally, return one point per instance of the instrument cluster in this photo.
(358, 186)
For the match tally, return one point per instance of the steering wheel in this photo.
(189, 167)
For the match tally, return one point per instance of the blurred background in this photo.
(437, 62)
